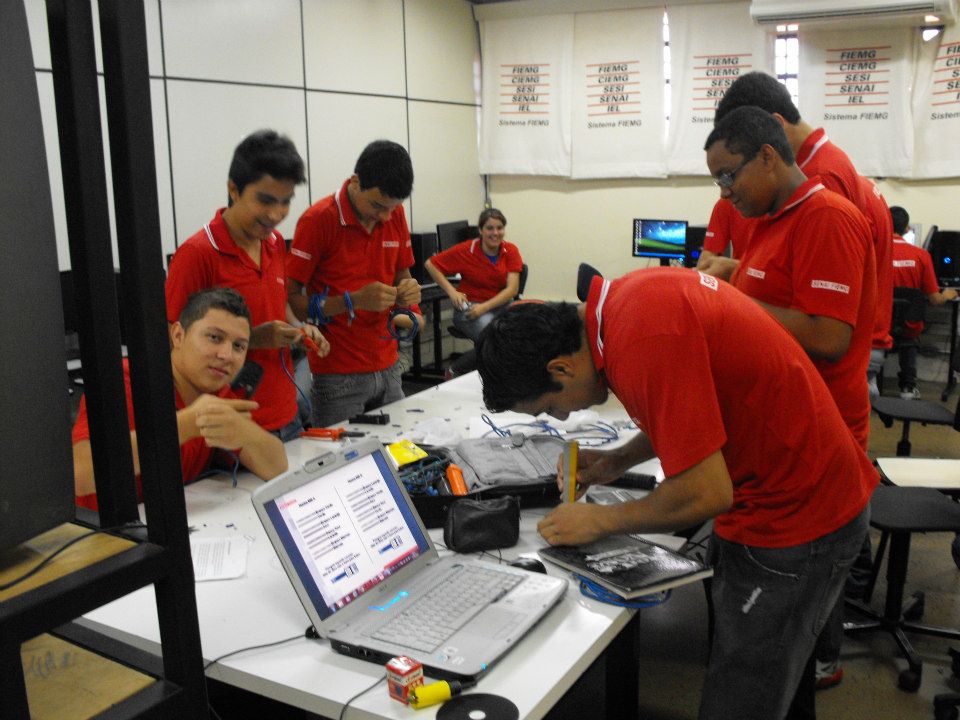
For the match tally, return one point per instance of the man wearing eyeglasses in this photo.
(817, 155)
(810, 260)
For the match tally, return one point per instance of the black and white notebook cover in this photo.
(628, 565)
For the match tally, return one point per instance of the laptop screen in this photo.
(346, 531)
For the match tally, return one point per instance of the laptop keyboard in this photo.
(460, 594)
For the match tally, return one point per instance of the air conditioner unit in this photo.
(854, 13)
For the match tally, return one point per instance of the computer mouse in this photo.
(530, 564)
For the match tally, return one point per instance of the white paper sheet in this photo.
(218, 558)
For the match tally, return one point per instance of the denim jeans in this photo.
(339, 397)
(908, 364)
(770, 604)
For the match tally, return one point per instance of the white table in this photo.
(261, 607)
(942, 475)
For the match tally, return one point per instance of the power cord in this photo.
(43, 563)
(286, 372)
(592, 590)
(253, 647)
(343, 711)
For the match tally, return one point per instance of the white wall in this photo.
(559, 223)
(331, 74)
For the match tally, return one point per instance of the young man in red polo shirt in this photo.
(746, 432)
(816, 155)
(241, 248)
(912, 267)
(208, 346)
(351, 252)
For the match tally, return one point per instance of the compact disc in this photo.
(480, 706)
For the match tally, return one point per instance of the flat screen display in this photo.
(664, 239)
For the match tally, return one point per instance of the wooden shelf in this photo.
(67, 682)
(84, 553)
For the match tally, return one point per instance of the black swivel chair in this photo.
(909, 305)
(894, 409)
(900, 512)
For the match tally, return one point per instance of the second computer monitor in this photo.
(664, 239)
(448, 235)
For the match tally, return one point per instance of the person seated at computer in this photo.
(489, 269)
(208, 347)
(912, 267)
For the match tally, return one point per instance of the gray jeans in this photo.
(473, 328)
(770, 604)
(336, 398)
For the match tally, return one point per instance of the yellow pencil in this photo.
(570, 452)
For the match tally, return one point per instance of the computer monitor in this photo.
(447, 235)
(663, 239)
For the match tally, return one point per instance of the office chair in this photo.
(467, 361)
(909, 305)
(900, 512)
(892, 409)
(585, 275)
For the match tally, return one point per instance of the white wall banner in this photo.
(855, 84)
(710, 47)
(525, 117)
(618, 115)
(936, 107)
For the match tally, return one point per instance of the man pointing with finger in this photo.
(208, 347)
(351, 252)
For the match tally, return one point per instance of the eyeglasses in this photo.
(725, 180)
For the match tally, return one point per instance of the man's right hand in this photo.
(221, 422)
(274, 334)
(459, 300)
(376, 297)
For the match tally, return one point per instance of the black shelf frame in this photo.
(163, 557)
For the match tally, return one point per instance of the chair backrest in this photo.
(524, 270)
(908, 306)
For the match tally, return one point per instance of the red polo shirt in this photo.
(480, 279)
(819, 156)
(702, 368)
(195, 454)
(332, 249)
(877, 214)
(727, 225)
(815, 255)
(211, 258)
(913, 267)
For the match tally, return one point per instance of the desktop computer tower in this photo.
(424, 246)
(693, 245)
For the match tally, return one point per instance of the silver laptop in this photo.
(371, 580)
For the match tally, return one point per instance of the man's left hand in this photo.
(575, 524)
(408, 292)
(313, 332)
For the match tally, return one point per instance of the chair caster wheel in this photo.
(915, 607)
(909, 680)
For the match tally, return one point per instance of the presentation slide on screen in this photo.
(349, 529)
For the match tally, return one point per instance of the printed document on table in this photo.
(218, 558)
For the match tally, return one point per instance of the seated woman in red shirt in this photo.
(489, 269)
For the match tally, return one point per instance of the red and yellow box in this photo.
(403, 673)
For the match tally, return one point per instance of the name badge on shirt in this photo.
(391, 243)
(758, 274)
(829, 285)
(904, 263)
